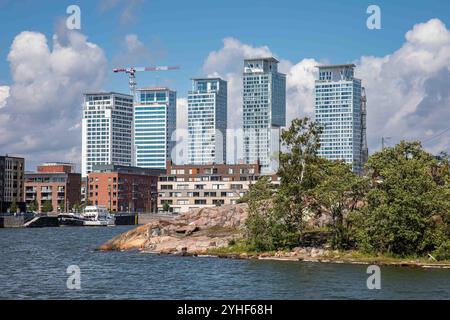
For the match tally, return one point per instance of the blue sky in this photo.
(405, 66)
(186, 31)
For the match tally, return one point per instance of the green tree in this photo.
(62, 205)
(338, 193)
(260, 224)
(33, 206)
(47, 206)
(408, 206)
(276, 219)
(13, 207)
(298, 171)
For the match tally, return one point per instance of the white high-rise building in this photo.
(207, 121)
(155, 119)
(264, 112)
(341, 110)
(106, 130)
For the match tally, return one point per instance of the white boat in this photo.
(97, 216)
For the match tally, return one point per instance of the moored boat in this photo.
(97, 216)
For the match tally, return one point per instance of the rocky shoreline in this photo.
(210, 231)
(194, 232)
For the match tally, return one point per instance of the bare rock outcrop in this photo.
(192, 232)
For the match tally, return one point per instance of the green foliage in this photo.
(166, 206)
(276, 219)
(33, 206)
(62, 205)
(47, 206)
(298, 173)
(338, 192)
(402, 208)
(13, 207)
(443, 251)
(259, 224)
(408, 205)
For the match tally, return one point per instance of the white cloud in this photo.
(407, 90)
(4, 94)
(46, 95)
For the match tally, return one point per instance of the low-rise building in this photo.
(53, 183)
(123, 188)
(187, 187)
(11, 182)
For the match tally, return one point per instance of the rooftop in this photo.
(153, 89)
(206, 78)
(336, 66)
(262, 58)
(105, 92)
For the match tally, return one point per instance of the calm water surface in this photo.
(33, 265)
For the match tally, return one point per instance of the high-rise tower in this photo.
(264, 111)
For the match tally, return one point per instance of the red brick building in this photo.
(123, 188)
(56, 183)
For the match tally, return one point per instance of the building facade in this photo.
(123, 188)
(207, 121)
(106, 130)
(187, 187)
(53, 183)
(155, 116)
(11, 182)
(340, 107)
(264, 111)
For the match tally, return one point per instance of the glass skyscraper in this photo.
(264, 111)
(106, 130)
(207, 121)
(154, 123)
(340, 109)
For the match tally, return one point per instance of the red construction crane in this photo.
(132, 70)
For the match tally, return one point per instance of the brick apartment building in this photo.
(123, 188)
(187, 187)
(11, 182)
(56, 183)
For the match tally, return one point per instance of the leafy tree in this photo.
(408, 206)
(338, 192)
(62, 205)
(166, 206)
(259, 224)
(13, 207)
(276, 218)
(299, 175)
(47, 206)
(33, 206)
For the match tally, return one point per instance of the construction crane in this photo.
(132, 70)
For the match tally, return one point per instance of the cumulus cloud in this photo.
(4, 94)
(407, 90)
(46, 95)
